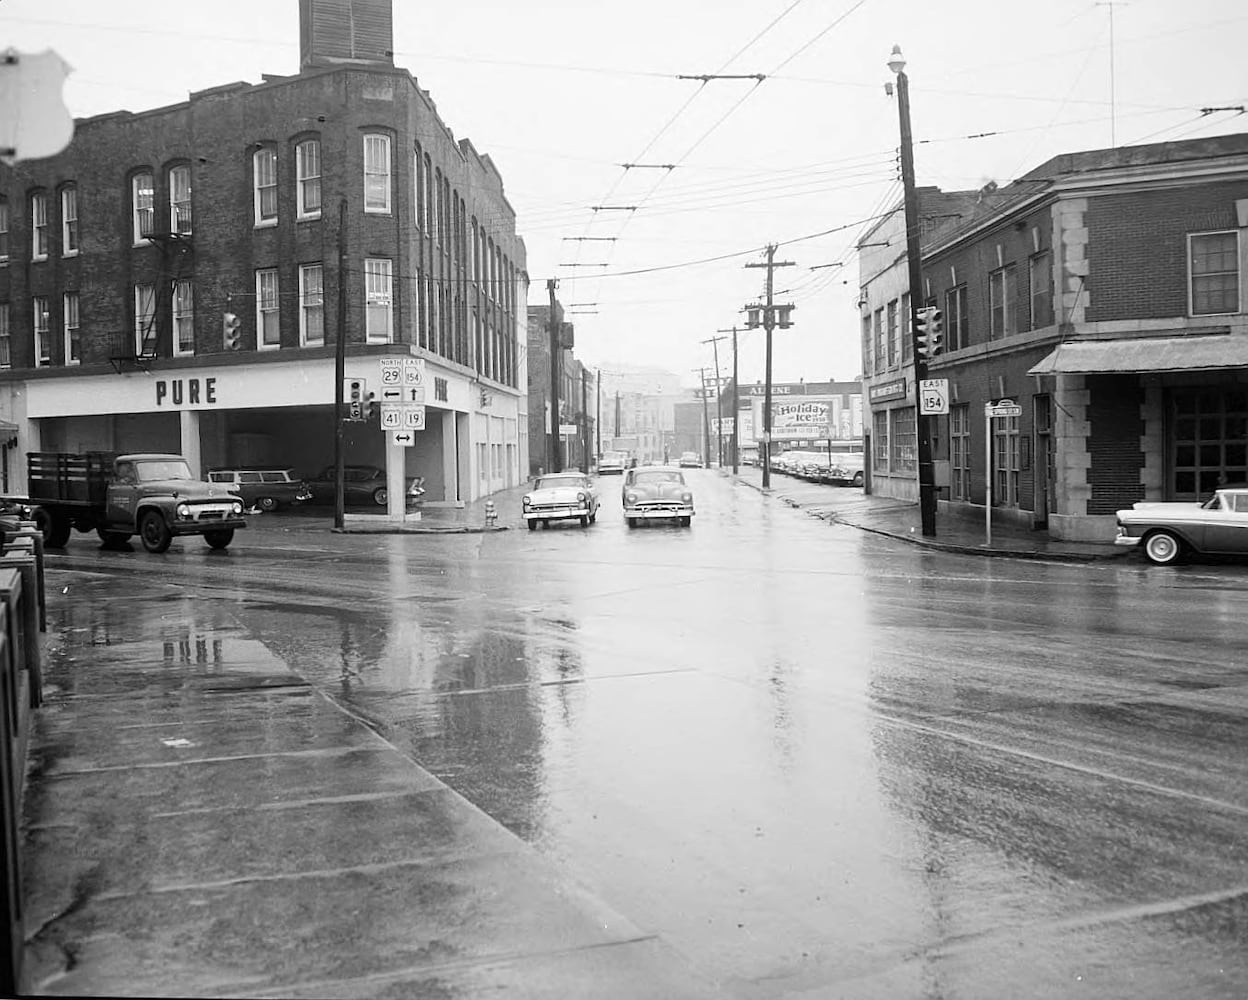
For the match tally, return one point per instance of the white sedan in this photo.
(561, 496)
(1167, 531)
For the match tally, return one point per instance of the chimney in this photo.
(350, 32)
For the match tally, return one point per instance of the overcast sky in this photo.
(561, 93)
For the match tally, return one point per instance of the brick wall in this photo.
(1114, 450)
(1138, 246)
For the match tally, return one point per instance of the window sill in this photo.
(266, 224)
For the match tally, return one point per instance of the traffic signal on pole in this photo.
(367, 405)
(930, 332)
(356, 391)
(231, 330)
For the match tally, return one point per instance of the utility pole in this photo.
(706, 420)
(927, 475)
(554, 449)
(584, 425)
(719, 400)
(736, 405)
(340, 370)
(598, 419)
(770, 321)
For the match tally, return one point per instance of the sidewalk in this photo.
(900, 519)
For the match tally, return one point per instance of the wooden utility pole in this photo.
(719, 400)
(554, 450)
(736, 405)
(598, 419)
(340, 370)
(706, 420)
(584, 425)
(768, 310)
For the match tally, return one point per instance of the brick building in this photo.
(576, 397)
(172, 281)
(1102, 293)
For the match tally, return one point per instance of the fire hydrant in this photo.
(491, 513)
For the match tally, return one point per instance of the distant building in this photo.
(172, 280)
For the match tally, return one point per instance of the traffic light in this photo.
(930, 334)
(367, 405)
(356, 391)
(231, 330)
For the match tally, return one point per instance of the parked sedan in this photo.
(561, 496)
(845, 469)
(1168, 531)
(361, 484)
(654, 492)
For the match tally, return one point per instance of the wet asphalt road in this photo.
(815, 762)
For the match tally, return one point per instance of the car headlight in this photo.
(581, 498)
(236, 508)
(183, 510)
(527, 500)
(631, 497)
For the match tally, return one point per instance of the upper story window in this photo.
(43, 340)
(39, 226)
(956, 320)
(894, 337)
(308, 179)
(1002, 300)
(379, 315)
(418, 207)
(183, 317)
(1040, 279)
(4, 230)
(376, 173)
(268, 332)
(881, 347)
(264, 179)
(180, 200)
(6, 342)
(311, 305)
(144, 320)
(69, 221)
(143, 204)
(1213, 266)
(73, 330)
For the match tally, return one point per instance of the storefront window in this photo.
(903, 444)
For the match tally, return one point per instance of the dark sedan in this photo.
(361, 484)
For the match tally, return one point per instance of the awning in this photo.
(1146, 354)
(8, 432)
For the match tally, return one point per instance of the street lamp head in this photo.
(896, 61)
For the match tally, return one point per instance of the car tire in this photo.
(593, 517)
(55, 528)
(686, 521)
(584, 520)
(154, 532)
(112, 537)
(859, 479)
(219, 539)
(380, 496)
(1163, 548)
(532, 525)
(632, 522)
(267, 503)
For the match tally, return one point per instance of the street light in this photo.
(927, 478)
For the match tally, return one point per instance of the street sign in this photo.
(568, 430)
(1003, 408)
(402, 372)
(404, 439)
(391, 416)
(414, 418)
(934, 395)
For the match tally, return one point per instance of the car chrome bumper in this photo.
(188, 527)
(658, 512)
(1125, 539)
(555, 514)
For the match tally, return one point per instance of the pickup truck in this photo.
(118, 496)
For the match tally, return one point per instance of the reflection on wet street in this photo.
(812, 761)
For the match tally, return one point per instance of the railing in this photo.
(23, 616)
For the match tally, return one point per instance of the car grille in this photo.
(660, 505)
(554, 508)
(211, 512)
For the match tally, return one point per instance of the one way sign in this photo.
(404, 439)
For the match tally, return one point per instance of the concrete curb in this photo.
(958, 547)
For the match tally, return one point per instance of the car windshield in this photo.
(153, 470)
(556, 482)
(658, 476)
